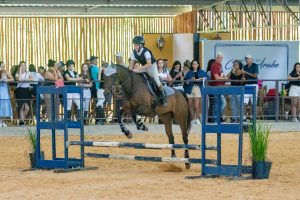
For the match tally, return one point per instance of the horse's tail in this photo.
(189, 119)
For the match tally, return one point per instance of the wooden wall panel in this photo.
(37, 39)
(186, 22)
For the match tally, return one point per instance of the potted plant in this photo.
(31, 139)
(259, 140)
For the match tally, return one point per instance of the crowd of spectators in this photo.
(18, 87)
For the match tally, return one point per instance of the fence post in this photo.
(277, 101)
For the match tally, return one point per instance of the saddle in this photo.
(153, 89)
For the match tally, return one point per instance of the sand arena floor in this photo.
(119, 179)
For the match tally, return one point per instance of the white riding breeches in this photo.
(153, 72)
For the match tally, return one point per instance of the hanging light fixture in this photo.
(160, 42)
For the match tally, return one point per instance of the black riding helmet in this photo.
(138, 40)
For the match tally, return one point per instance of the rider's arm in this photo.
(132, 59)
(131, 64)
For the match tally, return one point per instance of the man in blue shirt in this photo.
(97, 90)
(250, 72)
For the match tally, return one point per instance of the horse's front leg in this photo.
(122, 125)
(139, 124)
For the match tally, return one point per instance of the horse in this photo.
(139, 101)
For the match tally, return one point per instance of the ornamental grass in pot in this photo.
(259, 142)
(30, 136)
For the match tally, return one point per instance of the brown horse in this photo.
(139, 101)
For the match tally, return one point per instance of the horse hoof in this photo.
(146, 128)
(128, 134)
(188, 165)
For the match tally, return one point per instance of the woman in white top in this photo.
(163, 73)
(36, 76)
(5, 104)
(23, 95)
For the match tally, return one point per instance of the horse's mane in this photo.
(124, 70)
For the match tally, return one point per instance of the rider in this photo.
(148, 62)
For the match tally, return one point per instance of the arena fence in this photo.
(273, 103)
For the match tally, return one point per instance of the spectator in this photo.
(36, 77)
(217, 75)
(97, 90)
(85, 75)
(235, 74)
(177, 76)
(186, 67)
(211, 97)
(61, 67)
(13, 71)
(166, 63)
(119, 59)
(50, 76)
(250, 71)
(22, 92)
(5, 103)
(42, 70)
(71, 77)
(163, 73)
(192, 87)
(294, 92)
(88, 62)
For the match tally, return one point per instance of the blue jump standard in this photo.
(58, 124)
(224, 128)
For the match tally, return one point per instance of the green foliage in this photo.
(259, 139)
(31, 138)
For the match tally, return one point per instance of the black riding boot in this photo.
(69, 115)
(85, 117)
(163, 97)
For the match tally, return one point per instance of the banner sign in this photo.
(274, 59)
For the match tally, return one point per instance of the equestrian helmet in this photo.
(138, 40)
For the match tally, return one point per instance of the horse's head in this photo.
(111, 78)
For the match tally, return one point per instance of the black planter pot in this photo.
(32, 157)
(261, 169)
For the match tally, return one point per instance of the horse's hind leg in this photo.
(122, 125)
(139, 124)
(167, 120)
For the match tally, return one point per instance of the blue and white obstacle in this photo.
(138, 145)
(143, 146)
(151, 159)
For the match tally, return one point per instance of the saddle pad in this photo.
(168, 90)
